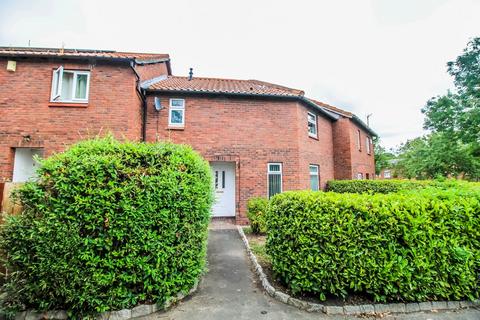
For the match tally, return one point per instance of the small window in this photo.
(312, 125)
(70, 85)
(368, 143)
(274, 179)
(176, 115)
(387, 174)
(367, 176)
(359, 141)
(314, 177)
(359, 176)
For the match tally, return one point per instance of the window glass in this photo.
(359, 144)
(274, 179)
(312, 124)
(176, 116)
(67, 84)
(81, 86)
(314, 178)
(177, 102)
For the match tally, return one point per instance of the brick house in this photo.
(260, 138)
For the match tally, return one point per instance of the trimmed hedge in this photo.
(256, 211)
(107, 226)
(417, 246)
(375, 186)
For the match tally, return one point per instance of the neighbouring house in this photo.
(390, 172)
(260, 138)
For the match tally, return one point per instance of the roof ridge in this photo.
(242, 80)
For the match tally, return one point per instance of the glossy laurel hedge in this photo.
(420, 246)
(109, 225)
(376, 186)
(256, 212)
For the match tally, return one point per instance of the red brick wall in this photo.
(349, 160)
(150, 71)
(313, 151)
(27, 118)
(362, 161)
(251, 132)
(341, 149)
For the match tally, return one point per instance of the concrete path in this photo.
(229, 290)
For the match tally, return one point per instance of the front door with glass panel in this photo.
(224, 186)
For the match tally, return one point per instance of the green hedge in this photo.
(417, 246)
(109, 225)
(375, 186)
(256, 211)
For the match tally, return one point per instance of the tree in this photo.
(382, 157)
(453, 147)
(437, 155)
(458, 113)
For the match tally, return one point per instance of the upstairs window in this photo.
(368, 144)
(314, 177)
(359, 141)
(70, 85)
(274, 179)
(312, 125)
(176, 116)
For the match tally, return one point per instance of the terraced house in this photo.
(260, 138)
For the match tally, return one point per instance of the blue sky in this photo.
(384, 57)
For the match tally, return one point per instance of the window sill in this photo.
(176, 128)
(313, 137)
(68, 104)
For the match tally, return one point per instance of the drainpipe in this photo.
(143, 97)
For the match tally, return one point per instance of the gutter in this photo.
(362, 124)
(143, 97)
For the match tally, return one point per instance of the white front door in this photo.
(224, 186)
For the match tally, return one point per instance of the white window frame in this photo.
(359, 176)
(57, 85)
(176, 108)
(368, 142)
(387, 174)
(315, 124)
(317, 167)
(274, 172)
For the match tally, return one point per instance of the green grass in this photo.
(260, 252)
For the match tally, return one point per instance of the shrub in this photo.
(256, 210)
(109, 225)
(390, 186)
(416, 246)
(374, 186)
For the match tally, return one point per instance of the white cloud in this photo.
(385, 57)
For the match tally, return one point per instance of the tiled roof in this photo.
(332, 108)
(228, 86)
(82, 53)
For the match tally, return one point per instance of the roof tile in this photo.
(216, 85)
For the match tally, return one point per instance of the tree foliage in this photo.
(437, 155)
(458, 113)
(453, 147)
(383, 157)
